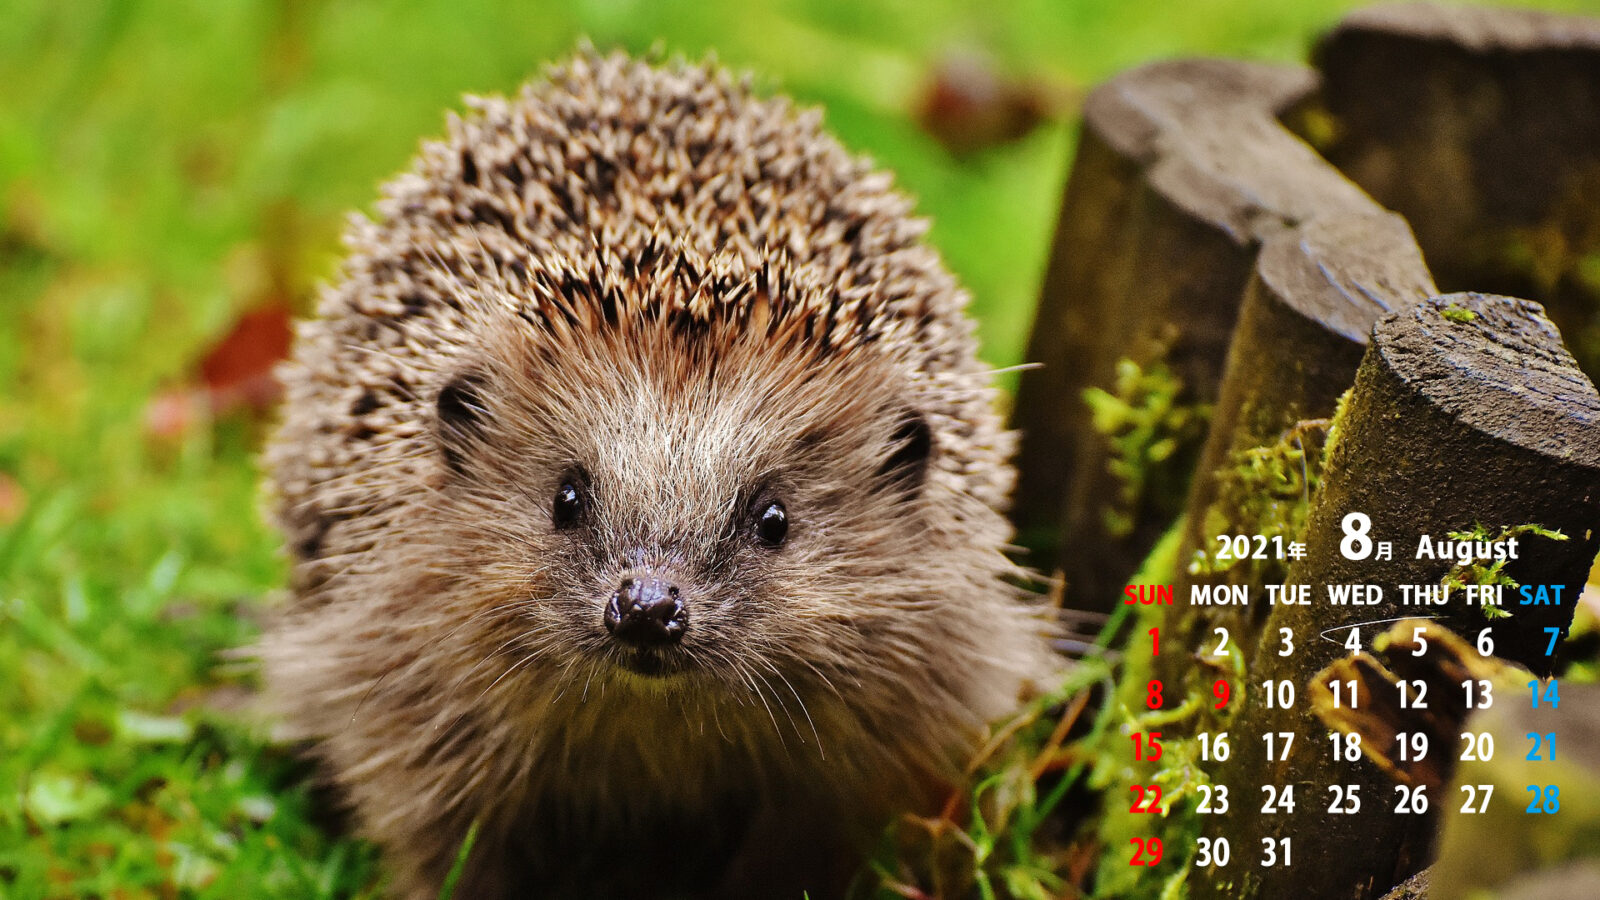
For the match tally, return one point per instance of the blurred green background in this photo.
(165, 166)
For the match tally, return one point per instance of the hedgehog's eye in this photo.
(567, 506)
(772, 524)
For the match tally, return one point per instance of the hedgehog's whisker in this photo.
(755, 683)
(527, 658)
(821, 751)
(408, 664)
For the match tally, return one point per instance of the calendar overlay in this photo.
(1332, 679)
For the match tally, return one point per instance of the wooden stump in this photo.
(1307, 314)
(1467, 413)
(1482, 127)
(1182, 170)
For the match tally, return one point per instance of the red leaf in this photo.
(239, 369)
(13, 500)
(968, 106)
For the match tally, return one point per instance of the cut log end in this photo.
(1498, 365)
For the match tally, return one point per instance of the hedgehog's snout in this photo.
(647, 612)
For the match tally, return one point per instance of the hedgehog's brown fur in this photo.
(697, 298)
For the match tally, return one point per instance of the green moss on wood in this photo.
(1267, 491)
(1486, 571)
(1147, 422)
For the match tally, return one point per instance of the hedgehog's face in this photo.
(657, 514)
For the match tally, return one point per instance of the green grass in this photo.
(166, 165)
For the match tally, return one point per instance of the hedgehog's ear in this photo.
(461, 418)
(910, 448)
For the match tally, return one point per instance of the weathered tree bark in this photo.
(1466, 412)
(1414, 888)
(1304, 325)
(1182, 169)
(1482, 127)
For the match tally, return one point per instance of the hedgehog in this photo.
(645, 497)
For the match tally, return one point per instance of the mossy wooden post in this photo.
(1181, 170)
(1466, 410)
(1482, 127)
(1307, 314)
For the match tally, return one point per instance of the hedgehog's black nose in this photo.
(647, 612)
